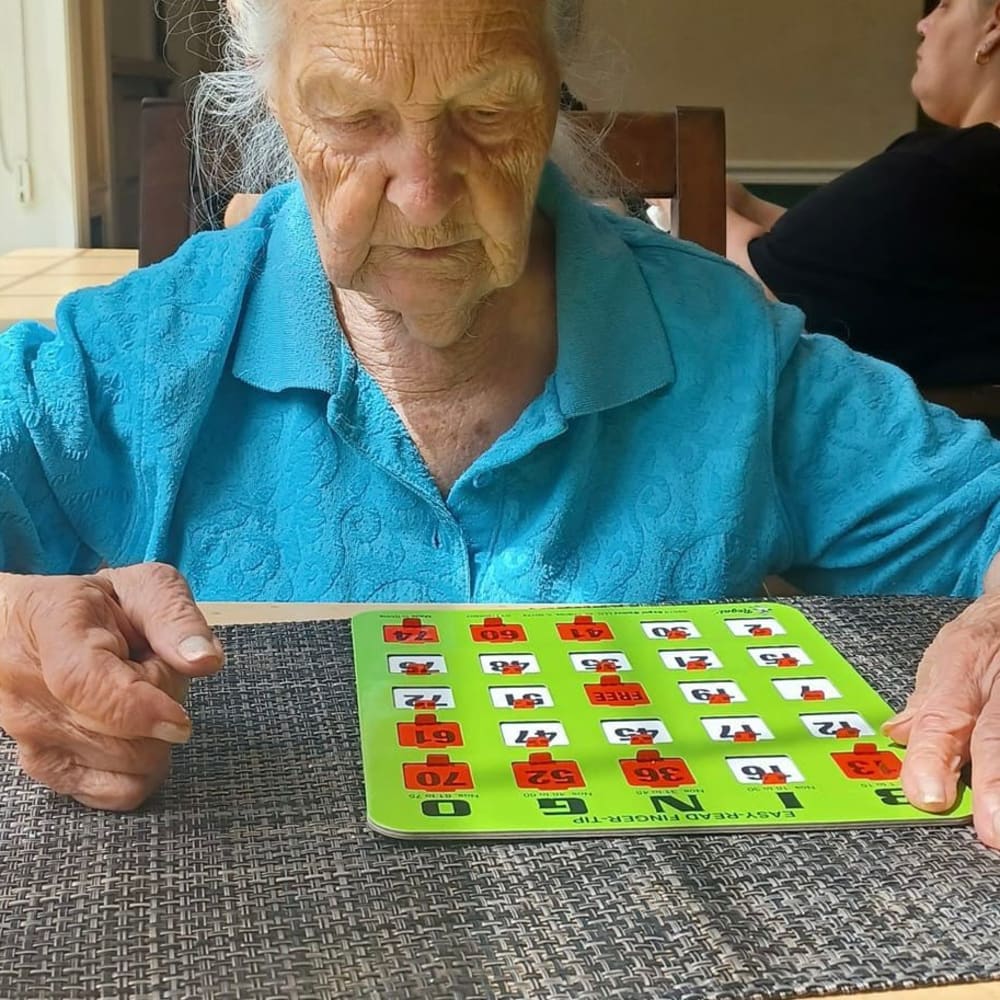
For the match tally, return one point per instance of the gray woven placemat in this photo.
(254, 876)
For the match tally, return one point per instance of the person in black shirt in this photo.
(899, 257)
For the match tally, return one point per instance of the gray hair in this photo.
(239, 146)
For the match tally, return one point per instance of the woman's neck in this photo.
(985, 109)
(457, 400)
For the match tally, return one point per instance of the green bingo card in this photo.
(568, 721)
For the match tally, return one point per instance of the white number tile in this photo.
(636, 732)
(780, 656)
(690, 659)
(830, 727)
(754, 770)
(512, 664)
(671, 630)
(509, 697)
(411, 698)
(417, 665)
(718, 692)
(758, 628)
(537, 734)
(589, 662)
(805, 688)
(737, 729)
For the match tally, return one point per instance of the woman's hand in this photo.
(239, 209)
(660, 213)
(953, 716)
(93, 671)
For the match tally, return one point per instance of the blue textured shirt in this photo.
(207, 412)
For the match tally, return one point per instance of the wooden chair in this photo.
(679, 154)
(166, 203)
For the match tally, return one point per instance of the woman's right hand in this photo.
(93, 671)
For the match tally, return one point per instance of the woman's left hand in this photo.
(953, 716)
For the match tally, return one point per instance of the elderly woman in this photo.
(429, 370)
(898, 256)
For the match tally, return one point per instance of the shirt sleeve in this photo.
(873, 223)
(892, 257)
(54, 461)
(882, 492)
(97, 418)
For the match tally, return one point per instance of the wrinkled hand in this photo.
(953, 716)
(93, 671)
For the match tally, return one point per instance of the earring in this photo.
(982, 56)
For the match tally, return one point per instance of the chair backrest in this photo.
(166, 205)
(679, 154)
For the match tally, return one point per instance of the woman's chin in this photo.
(428, 296)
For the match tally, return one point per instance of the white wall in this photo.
(808, 85)
(36, 119)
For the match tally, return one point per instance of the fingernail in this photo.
(896, 720)
(170, 732)
(930, 792)
(902, 716)
(197, 647)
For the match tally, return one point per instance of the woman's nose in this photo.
(426, 181)
(922, 27)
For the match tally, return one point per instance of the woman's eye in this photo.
(353, 123)
(484, 116)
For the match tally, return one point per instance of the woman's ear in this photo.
(992, 39)
(989, 40)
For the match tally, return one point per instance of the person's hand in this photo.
(953, 716)
(93, 671)
(240, 208)
(660, 212)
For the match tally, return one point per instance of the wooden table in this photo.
(33, 281)
(248, 614)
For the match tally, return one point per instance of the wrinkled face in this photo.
(947, 79)
(420, 128)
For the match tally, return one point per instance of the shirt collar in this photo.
(289, 336)
(612, 344)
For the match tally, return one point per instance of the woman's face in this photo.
(420, 128)
(948, 80)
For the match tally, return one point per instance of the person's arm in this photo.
(96, 420)
(739, 232)
(93, 678)
(51, 455)
(94, 668)
(747, 218)
(883, 493)
(756, 210)
(740, 227)
(952, 717)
